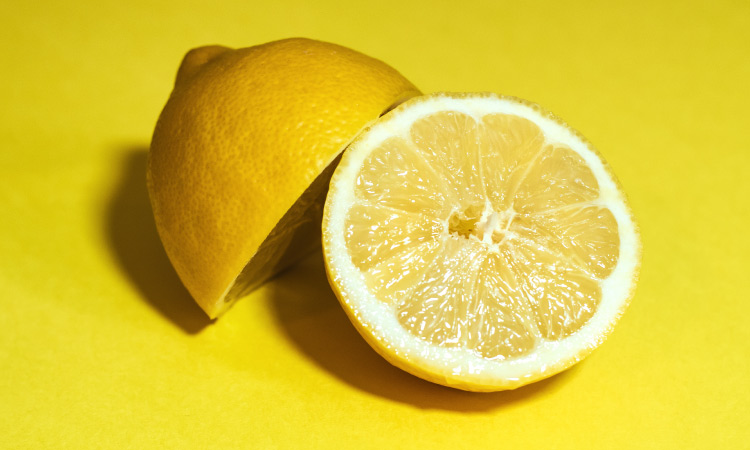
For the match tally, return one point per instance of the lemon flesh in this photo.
(478, 242)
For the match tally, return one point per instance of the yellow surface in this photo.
(101, 347)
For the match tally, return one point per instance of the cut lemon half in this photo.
(478, 242)
(242, 153)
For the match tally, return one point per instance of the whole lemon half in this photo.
(243, 150)
(478, 241)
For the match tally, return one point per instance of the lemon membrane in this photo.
(479, 242)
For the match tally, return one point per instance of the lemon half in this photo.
(479, 242)
(242, 152)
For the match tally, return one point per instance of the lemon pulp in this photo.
(481, 233)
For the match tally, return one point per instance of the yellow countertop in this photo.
(102, 347)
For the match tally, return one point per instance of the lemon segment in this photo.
(478, 242)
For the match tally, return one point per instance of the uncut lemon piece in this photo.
(478, 242)
(243, 151)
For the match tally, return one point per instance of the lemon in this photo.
(238, 148)
(479, 242)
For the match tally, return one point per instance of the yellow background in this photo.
(101, 346)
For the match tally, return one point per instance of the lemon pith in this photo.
(478, 242)
(242, 137)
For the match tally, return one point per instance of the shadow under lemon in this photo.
(135, 244)
(310, 315)
(306, 308)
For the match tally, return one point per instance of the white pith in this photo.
(379, 319)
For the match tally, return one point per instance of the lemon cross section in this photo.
(478, 241)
